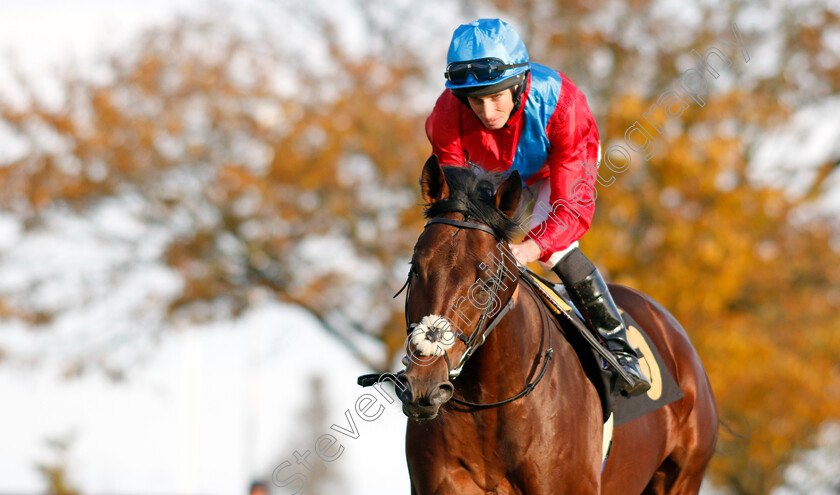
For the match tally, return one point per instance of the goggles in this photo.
(483, 70)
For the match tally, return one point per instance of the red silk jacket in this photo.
(569, 136)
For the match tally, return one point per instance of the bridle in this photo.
(483, 327)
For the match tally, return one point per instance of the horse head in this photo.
(462, 276)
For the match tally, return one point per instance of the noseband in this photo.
(476, 338)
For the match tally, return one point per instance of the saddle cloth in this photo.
(663, 389)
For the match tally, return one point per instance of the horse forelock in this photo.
(472, 193)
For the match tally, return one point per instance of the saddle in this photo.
(599, 364)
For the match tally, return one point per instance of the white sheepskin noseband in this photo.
(433, 336)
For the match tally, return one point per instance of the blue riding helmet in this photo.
(485, 56)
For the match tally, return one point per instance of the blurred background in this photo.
(206, 208)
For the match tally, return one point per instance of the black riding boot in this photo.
(592, 297)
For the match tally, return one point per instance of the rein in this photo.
(483, 329)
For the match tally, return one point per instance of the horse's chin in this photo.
(420, 413)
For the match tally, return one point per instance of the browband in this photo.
(463, 225)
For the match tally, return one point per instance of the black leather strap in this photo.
(463, 225)
(482, 330)
(549, 353)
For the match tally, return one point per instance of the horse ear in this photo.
(507, 196)
(432, 181)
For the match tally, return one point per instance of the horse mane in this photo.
(472, 192)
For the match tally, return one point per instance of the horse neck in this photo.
(504, 364)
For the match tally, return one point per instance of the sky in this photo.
(44, 35)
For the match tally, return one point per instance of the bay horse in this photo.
(545, 437)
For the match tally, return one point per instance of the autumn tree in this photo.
(274, 173)
(293, 174)
(746, 264)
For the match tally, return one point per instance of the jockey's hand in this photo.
(526, 252)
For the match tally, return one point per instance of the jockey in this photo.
(502, 113)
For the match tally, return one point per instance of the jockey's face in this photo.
(493, 110)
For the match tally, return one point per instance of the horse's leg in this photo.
(551, 475)
(448, 482)
(672, 478)
(681, 473)
(458, 481)
(578, 484)
(657, 483)
(698, 439)
(684, 467)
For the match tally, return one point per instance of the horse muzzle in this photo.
(422, 401)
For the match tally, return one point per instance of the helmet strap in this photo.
(517, 92)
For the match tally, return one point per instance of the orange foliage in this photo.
(756, 289)
(258, 172)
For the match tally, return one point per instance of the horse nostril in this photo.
(443, 393)
(403, 387)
